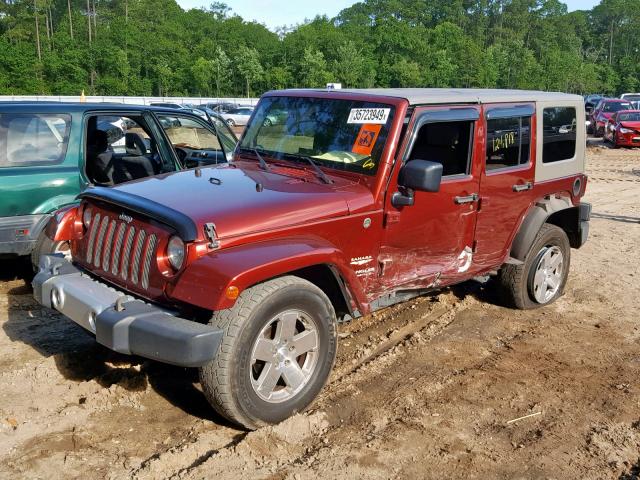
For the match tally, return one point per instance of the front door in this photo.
(507, 178)
(433, 239)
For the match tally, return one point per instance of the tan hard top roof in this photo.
(419, 96)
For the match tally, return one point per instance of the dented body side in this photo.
(375, 248)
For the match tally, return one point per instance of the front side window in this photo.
(186, 132)
(448, 143)
(226, 137)
(340, 134)
(33, 139)
(558, 134)
(195, 142)
(508, 142)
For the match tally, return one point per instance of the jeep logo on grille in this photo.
(125, 218)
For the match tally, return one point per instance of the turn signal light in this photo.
(232, 292)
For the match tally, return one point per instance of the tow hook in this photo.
(119, 307)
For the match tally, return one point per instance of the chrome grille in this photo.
(106, 251)
(115, 265)
(124, 272)
(98, 247)
(121, 249)
(135, 269)
(92, 236)
(150, 249)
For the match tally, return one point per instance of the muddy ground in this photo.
(427, 389)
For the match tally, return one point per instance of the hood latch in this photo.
(210, 232)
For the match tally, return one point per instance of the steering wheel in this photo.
(182, 153)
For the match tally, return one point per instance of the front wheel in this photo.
(278, 349)
(231, 122)
(45, 246)
(541, 279)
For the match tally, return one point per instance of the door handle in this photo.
(522, 187)
(467, 199)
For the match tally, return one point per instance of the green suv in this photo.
(50, 152)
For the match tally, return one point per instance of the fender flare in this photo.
(533, 221)
(56, 203)
(205, 281)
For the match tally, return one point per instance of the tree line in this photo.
(153, 47)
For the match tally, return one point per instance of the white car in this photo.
(631, 97)
(237, 116)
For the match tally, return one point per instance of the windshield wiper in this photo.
(318, 170)
(263, 164)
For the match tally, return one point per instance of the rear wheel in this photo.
(541, 279)
(278, 349)
(231, 122)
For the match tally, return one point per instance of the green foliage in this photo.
(313, 69)
(248, 66)
(153, 47)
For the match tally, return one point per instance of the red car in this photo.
(623, 129)
(603, 112)
(359, 200)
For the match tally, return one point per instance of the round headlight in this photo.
(86, 217)
(175, 252)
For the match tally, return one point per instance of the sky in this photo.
(275, 13)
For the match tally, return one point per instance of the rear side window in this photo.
(32, 139)
(508, 142)
(558, 134)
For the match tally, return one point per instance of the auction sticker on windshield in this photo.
(366, 139)
(369, 115)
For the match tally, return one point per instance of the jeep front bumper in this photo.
(119, 321)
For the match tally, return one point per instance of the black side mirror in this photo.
(422, 175)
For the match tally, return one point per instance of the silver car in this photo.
(238, 116)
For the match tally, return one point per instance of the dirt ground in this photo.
(432, 388)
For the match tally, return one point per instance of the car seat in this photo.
(100, 161)
(440, 142)
(135, 164)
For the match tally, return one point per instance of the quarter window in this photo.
(559, 134)
(32, 139)
(508, 142)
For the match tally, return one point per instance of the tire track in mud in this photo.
(410, 387)
(362, 342)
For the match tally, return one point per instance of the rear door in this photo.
(506, 180)
(38, 162)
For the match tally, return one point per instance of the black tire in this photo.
(227, 380)
(45, 246)
(231, 122)
(267, 122)
(516, 280)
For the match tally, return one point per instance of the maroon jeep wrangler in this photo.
(355, 200)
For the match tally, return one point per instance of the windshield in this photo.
(632, 98)
(615, 106)
(629, 117)
(341, 134)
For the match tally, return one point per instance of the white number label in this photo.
(369, 115)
